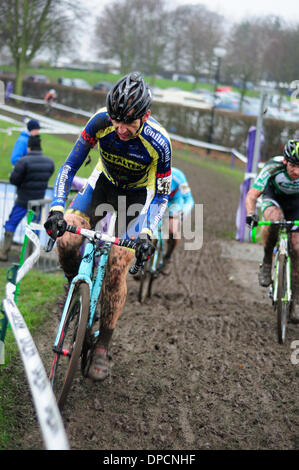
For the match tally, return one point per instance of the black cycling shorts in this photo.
(289, 203)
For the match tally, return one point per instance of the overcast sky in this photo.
(233, 10)
(240, 9)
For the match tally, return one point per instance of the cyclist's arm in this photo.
(161, 177)
(187, 198)
(68, 170)
(66, 174)
(251, 198)
(159, 186)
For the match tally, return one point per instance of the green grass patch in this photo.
(57, 148)
(94, 76)
(37, 297)
(210, 163)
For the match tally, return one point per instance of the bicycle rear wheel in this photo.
(145, 283)
(282, 306)
(68, 351)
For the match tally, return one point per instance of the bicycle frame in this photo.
(160, 249)
(282, 248)
(85, 274)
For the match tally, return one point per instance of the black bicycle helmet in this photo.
(129, 93)
(291, 151)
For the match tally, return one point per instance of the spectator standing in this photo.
(31, 175)
(20, 148)
(8, 91)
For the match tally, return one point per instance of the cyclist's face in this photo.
(293, 170)
(126, 131)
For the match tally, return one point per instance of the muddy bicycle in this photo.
(78, 329)
(280, 289)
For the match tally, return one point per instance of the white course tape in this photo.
(48, 414)
(32, 259)
(43, 397)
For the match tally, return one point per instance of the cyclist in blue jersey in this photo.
(135, 164)
(180, 204)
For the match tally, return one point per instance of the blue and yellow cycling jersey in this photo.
(143, 162)
(180, 198)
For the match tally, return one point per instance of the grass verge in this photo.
(94, 76)
(221, 167)
(38, 294)
(57, 148)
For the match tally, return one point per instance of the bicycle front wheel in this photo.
(282, 300)
(68, 350)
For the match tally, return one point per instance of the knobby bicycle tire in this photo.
(145, 283)
(89, 345)
(150, 275)
(71, 341)
(282, 306)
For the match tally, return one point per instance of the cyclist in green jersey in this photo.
(278, 184)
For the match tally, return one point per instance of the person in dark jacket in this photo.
(31, 175)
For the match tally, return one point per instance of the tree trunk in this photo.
(20, 71)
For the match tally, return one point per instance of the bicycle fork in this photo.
(83, 275)
(274, 287)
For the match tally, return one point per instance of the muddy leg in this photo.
(114, 291)
(68, 247)
(269, 234)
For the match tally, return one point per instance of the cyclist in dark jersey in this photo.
(135, 163)
(278, 183)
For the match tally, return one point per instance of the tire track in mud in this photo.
(196, 367)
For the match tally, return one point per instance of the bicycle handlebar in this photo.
(281, 223)
(95, 235)
(278, 222)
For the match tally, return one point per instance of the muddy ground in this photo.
(198, 366)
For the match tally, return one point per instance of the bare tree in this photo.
(152, 36)
(133, 32)
(259, 49)
(280, 59)
(115, 34)
(178, 29)
(194, 32)
(30, 26)
(245, 52)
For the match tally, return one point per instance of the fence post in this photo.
(254, 142)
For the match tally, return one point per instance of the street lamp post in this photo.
(219, 52)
